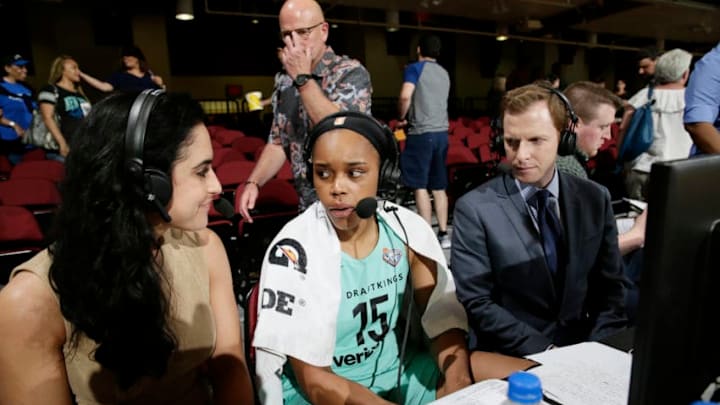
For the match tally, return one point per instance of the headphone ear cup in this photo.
(158, 184)
(567, 146)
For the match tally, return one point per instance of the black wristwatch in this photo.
(301, 79)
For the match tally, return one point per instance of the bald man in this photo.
(316, 83)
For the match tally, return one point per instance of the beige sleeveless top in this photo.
(191, 321)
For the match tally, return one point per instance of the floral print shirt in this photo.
(345, 82)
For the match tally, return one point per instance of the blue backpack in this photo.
(640, 133)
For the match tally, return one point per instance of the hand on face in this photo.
(296, 55)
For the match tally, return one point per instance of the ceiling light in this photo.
(392, 18)
(502, 32)
(333, 25)
(184, 10)
(255, 21)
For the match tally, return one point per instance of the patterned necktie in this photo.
(550, 228)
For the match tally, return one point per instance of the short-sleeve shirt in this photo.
(70, 106)
(124, 81)
(15, 101)
(366, 348)
(702, 96)
(428, 108)
(345, 82)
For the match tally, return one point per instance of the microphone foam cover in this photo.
(224, 207)
(366, 207)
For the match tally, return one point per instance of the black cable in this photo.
(410, 299)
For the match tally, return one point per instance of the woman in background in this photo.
(134, 74)
(63, 98)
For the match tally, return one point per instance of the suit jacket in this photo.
(514, 303)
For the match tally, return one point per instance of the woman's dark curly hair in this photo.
(107, 270)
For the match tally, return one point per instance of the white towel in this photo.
(300, 285)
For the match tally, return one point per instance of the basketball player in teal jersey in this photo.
(333, 281)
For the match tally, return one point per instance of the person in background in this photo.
(495, 95)
(132, 302)
(646, 59)
(595, 109)
(134, 74)
(620, 89)
(702, 104)
(534, 251)
(17, 104)
(63, 97)
(316, 82)
(670, 140)
(422, 108)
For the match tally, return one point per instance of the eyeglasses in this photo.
(303, 33)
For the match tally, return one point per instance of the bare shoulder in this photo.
(31, 312)
(210, 242)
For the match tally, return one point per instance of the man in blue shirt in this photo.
(16, 107)
(423, 108)
(702, 104)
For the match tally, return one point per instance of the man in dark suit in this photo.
(534, 252)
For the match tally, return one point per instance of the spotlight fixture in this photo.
(255, 21)
(502, 32)
(184, 10)
(333, 25)
(392, 19)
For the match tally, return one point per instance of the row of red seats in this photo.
(29, 197)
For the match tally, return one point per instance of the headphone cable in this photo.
(408, 284)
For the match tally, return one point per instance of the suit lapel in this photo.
(519, 217)
(571, 212)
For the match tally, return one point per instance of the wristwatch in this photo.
(11, 124)
(301, 79)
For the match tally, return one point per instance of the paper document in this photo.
(640, 205)
(588, 373)
(488, 392)
(624, 224)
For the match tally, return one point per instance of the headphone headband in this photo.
(379, 135)
(152, 185)
(566, 145)
(137, 124)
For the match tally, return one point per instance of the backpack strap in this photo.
(27, 98)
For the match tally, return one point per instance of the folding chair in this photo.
(233, 173)
(277, 203)
(20, 239)
(5, 167)
(34, 154)
(39, 169)
(40, 196)
(226, 137)
(248, 145)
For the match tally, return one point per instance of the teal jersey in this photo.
(366, 348)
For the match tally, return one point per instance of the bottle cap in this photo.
(524, 388)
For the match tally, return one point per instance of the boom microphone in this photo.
(224, 207)
(366, 207)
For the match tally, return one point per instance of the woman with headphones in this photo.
(334, 280)
(132, 303)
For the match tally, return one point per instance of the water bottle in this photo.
(523, 388)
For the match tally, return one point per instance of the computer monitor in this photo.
(677, 338)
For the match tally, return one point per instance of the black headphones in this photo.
(153, 185)
(378, 134)
(568, 137)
